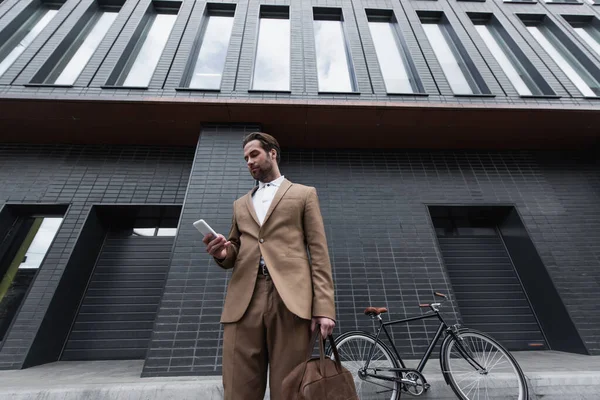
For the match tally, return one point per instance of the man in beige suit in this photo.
(281, 286)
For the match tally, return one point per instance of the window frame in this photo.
(12, 218)
(568, 51)
(212, 9)
(123, 67)
(388, 16)
(470, 72)
(515, 55)
(60, 58)
(268, 11)
(16, 29)
(335, 14)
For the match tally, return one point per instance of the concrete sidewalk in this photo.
(551, 376)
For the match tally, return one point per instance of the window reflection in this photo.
(82, 55)
(565, 60)
(154, 231)
(27, 251)
(392, 65)
(208, 70)
(333, 59)
(147, 58)
(24, 36)
(41, 242)
(447, 59)
(510, 69)
(272, 67)
(590, 35)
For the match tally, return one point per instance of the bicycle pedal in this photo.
(426, 386)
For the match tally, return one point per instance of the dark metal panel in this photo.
(488, 292)
(116, 316)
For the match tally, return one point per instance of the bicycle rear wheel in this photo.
(501, 376)
(354, 349)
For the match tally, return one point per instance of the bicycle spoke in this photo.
(472, 383)
(354, 351)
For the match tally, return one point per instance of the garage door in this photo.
(489, 294)
(117, 312)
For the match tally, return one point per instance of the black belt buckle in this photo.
(264, 270)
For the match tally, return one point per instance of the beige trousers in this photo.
(267, 335)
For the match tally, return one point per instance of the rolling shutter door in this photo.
(489, 294)
(116, 316)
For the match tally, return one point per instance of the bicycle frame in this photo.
(443, 328)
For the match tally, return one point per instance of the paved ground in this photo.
(551, 376)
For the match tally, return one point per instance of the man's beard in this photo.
(263, 172)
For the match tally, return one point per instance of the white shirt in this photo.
(263, 197)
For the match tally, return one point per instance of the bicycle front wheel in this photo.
(354, 349)
(479, 367)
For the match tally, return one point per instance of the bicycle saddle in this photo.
(375, 310)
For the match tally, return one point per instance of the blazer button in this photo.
(262, 240)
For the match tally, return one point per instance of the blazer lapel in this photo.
(250, 204)
(285, 185)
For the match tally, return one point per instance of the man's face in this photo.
(260, 163)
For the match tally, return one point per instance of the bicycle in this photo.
(467, 360)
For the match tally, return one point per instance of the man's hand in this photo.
(216, 247)
(327, 325)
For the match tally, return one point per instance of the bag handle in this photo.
(316, 334)
(338, 362)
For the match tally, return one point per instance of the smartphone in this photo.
(204, 228)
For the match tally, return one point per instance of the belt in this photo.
(262, 269)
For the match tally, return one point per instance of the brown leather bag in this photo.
(320, 378)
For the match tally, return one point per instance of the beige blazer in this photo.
(292, 242)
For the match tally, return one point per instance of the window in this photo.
(207, 70)
(563, 1)
(456, 64)
(587, 29)
(569, 59)
(165, 225)
(334, 64)
(272, 65)
(24, 34)
(396, 65)
(29, 240)
(154, 232)
(70, 58)
(141, 61)
(519, 70)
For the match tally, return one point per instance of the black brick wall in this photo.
(187, 334)
(381, 239)
(80, 176)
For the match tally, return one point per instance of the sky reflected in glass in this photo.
(332, 59)
(208, 70)
(86, 50)
(147, 59)
(561, 61)
(41, 243)
(589, 39)
(34, 30)
(272, 68)
(452, 71)
(507, 66)
(389, 57)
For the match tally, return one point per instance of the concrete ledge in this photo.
(550, 375)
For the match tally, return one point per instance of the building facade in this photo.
(453, 145)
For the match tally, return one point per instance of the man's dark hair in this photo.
(267, 142)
